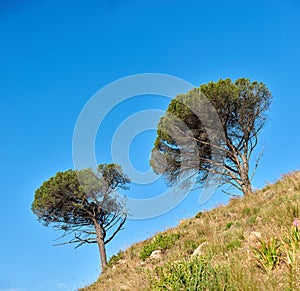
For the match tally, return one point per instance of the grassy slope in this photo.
(226, 229)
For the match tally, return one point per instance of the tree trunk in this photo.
(246, 186)
(101, 246)
(244, 174)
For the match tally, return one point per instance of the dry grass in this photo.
(226, 231)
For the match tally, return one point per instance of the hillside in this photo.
(250, 244)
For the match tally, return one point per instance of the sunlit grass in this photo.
(230, 255)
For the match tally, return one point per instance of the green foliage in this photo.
(228, 225)
(193, 275)
(59, 200)
(295, 235)
(291, 243)
(190, 246)
(255, 210)
(199, 214)
(246, 211)
(115, 258)
(267, 254)
(67, 198)
(251, 220)
(234, 244)
(160, 242)
(294, 209)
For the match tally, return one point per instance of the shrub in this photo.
(251, 220)
(160, 242)
(228, 225)
(234, 244)
(294, 210)
(190, 246)
(246, 211)
(115, 258)
(268, 254)
(291, 242)
(199, 214)
(192, 275)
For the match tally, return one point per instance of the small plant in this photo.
(255, 210)
(228, 225)
(199, 214)
(115, 258)
(291, 242)
(268, 254)
(246, 211)
(251, 220)
(234, 244)
(294, 210)
(192, 275)
(295, 233)
(291, 245)
(190, 246)
(160, 242)
(201, 232)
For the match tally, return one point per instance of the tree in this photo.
(189, 139)
(84, 204)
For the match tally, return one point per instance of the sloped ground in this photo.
(250, 244)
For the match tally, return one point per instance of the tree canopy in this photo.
(189, 140)
(84, 203)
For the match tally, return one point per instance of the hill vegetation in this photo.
(252, 243)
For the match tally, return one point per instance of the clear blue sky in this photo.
(54, 55)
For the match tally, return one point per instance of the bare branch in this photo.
(116, 231)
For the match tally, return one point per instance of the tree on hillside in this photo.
(185, 142)
(84, 204)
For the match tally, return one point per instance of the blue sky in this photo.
(54, 56)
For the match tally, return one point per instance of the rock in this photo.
(254, 236)
(155, 255)
(258, 219)
(119, 262)
(198, 250)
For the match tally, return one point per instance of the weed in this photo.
(251, 220)
(228, 225)
(291, 242)
(115, 258)
(246, 211)
(268, 254)
(160, 242)
(196, 274)
(199, 214)
(294, 209)
(234, 244)
(190, 246)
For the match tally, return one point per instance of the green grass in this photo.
(191, 275)
(160, 242)
(268, 254)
